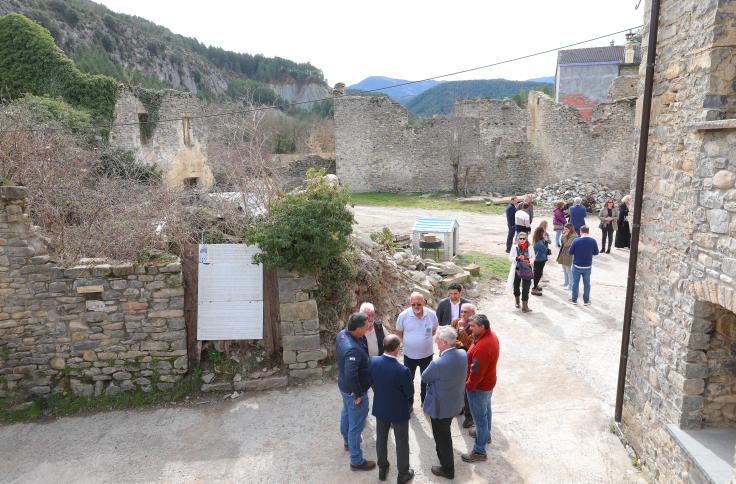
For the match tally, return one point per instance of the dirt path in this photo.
(551, 407)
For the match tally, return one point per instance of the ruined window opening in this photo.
(191, 182)
(186, 128)
(143, 127)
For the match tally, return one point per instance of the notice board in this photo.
(230, 293)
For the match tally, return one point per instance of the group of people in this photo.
(572, 238)
(459, 382)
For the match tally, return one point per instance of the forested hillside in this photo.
(441, 98)
(132, 49)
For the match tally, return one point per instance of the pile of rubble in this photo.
(429, 274)
(570, 188)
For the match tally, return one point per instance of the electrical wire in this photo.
(328, 98)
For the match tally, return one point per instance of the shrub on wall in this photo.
(30, 62)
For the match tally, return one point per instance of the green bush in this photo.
(385, 239)
(57, 113)
(30, 62)
(305, 231)
(122, 164)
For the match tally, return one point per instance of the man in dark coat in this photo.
(354, 380)
(393, 390)
(449, 308)
(511, 222)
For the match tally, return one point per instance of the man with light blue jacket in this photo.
(445, 379)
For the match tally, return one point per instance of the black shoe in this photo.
(405, 477)
(608, 251)
(382, 471)
(440, 471)
(467, 423)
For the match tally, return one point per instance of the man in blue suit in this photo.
(393, 390)
(577, 214)
(445, 379)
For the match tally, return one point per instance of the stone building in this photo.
(178, 147)
(680, 397)
(583, 76)
(490, 144)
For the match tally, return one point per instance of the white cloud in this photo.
(404, 39)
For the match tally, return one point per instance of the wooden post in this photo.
(190, 272)
(271, 319)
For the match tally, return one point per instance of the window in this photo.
(186, 128)
(191, 182)
(144, 128)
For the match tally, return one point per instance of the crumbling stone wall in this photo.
(599, 150)
(687, 260)
(89, 330)
(293, 168)
(501, 148)
(179, 147)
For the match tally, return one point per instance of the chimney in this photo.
(339, 89)
(630, 48)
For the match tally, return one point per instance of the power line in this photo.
(328, 98)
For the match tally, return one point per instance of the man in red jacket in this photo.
(482, 359)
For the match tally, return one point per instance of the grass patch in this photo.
(490, 265)
(416, 200)
(64, 405)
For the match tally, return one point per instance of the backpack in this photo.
(523, 268)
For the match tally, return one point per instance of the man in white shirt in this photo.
(416, 327)
(523, 221)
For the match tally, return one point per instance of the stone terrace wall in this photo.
(293, 168)
(600, 150)
(300, 327)
(179, 148)
(88, 330)
(687, 263)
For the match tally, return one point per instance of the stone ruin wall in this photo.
(681, 368)
(293, 168)
(502, 147)
(89, 330)
(179, 148)
(601, 149)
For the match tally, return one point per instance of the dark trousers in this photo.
(522, 228)
(466, 409)
(510, 237)
(607, 232)
(518, 281)
(401, 436)
(422, 363)
(443, 443)
(538, 271)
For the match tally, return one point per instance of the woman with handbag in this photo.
(540, 242)
(608, 216)
(564, 258)
(558, 220)
(521, 272)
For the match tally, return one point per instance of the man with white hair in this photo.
(577, 214)
(375, 334)
(415, 326)
(445, 379)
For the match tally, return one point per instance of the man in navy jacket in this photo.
(393, 390)
(577, 214)
(354, 380)
(449, 308)
(511, 222)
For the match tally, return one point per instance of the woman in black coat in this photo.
(623, 234)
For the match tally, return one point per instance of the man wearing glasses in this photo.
(416, 326)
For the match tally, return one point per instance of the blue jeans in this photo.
(576, 273)
(567, 270)
(480, 407)
(352, 423)
(558, 234)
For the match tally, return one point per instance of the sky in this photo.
(403, 39)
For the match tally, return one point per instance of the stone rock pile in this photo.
(570, 188)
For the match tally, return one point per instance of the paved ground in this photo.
(552, 406)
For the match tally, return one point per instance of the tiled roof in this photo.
(613, 53)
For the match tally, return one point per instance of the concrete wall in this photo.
(501, 147)
(686, 269)
(179, 148)
(85, 330)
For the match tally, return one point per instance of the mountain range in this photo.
(134, 50)
(427, 98)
